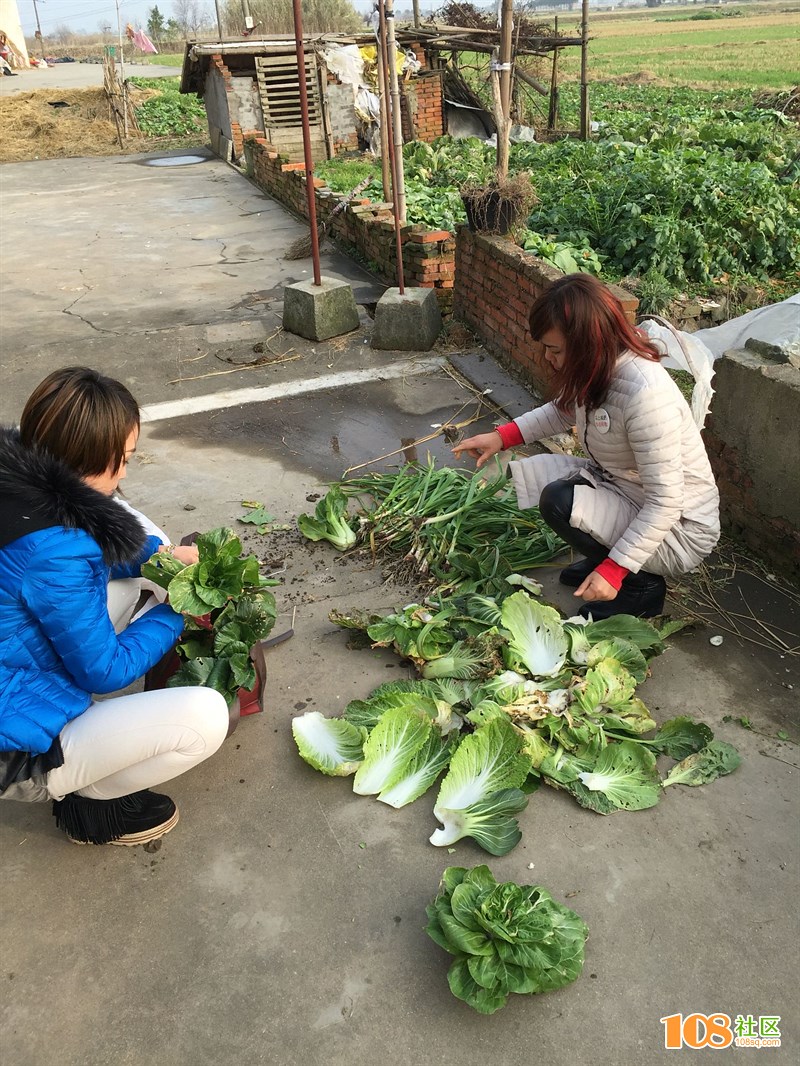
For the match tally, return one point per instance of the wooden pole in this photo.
(415, 5)
(307, 154)
(122, 73)
(585, 121)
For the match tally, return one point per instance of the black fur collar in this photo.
(38, 491)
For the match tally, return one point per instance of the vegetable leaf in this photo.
(421, 772)
(330, 521)
(389, 752)
(537, 635)
(680, 737)
(714, 760)
(626, 774)
(331, 745)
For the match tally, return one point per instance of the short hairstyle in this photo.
(82, 418)
(597, 332)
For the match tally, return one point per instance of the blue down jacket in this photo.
(60, 542)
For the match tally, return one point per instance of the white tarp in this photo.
(777, 324)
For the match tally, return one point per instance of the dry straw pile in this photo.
(30, 128)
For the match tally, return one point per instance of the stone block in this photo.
(319, 312)
(407, 323)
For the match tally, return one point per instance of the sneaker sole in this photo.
(131, 840)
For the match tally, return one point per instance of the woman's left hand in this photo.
(184, 553)
(595, 587)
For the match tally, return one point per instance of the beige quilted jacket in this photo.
(646, 490)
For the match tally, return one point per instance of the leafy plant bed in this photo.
(698, 191)
(170, 113)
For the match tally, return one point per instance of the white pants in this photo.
(129, 743)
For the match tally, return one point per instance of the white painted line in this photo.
(215, 401)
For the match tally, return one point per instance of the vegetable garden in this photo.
(679, 189)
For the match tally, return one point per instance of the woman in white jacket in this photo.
(643, 505)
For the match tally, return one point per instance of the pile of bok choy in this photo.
(510, 695)
(448, 528)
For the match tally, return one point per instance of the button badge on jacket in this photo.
(602, 423)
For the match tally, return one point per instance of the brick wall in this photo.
(496, 283)
(428, 255)
(423, 113)
(232, 107)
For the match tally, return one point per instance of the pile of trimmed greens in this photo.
(228, 609)
(509, 695)
(505, 938)
(446, 527)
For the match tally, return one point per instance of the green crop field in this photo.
(754, 46)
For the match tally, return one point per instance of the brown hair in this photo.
(596, 331)
(82, 418)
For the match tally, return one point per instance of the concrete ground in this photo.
(75, 76)
(282, 921)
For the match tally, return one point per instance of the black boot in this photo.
(641, 595)
(576, 573)
(129, 820)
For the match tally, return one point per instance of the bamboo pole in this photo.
(307, 154)
(552, 114)
(501, 89)
(585, 122)
(383, 74)
(397, 122)
(386, 180)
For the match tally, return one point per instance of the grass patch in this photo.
(757, 51)
(166, 59)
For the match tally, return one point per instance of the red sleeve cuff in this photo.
(510, 434)
(612, 572)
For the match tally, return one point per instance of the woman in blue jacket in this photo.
(63, 538)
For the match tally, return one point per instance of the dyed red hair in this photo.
(596, 331)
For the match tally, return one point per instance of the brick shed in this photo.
(252, 88)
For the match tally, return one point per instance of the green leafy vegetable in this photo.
(506, 938)
(331, 745)
(480, 793)
(229, 609)
(421, 772)
(626, 775)
(680, 737)
(330, 521)
(537, 635)
(389, 752)
(714, 760)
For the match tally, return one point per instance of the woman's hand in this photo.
(187, 554)
(595, 587)
(481, 447)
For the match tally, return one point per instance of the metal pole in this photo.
(397, 121)
(384, 74)
(219, 19)
(38, 27)
(309, 159)
(585, 124)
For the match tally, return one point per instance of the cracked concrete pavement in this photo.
(281, 922)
